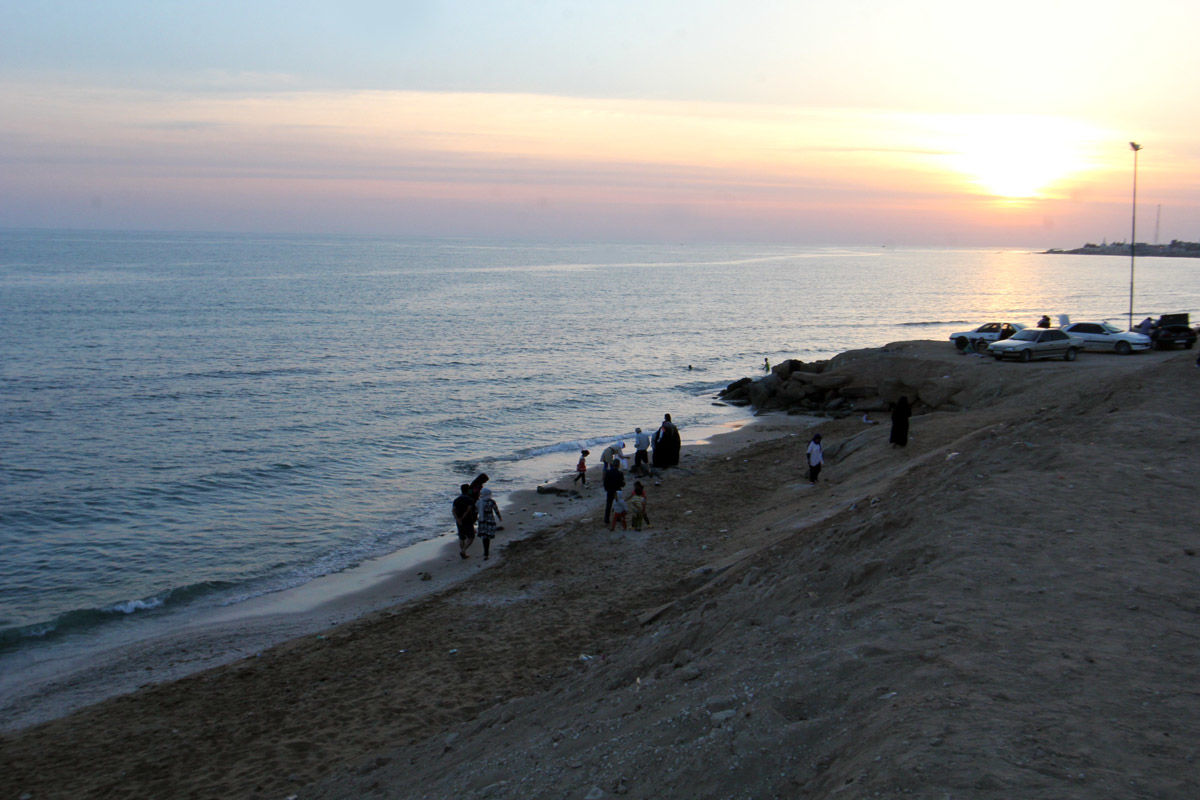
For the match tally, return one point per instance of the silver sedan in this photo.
(1107, 338)
(1034, 343)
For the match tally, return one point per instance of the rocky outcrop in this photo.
(852, 383)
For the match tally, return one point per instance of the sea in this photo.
(189, 421)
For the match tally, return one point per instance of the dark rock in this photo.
(762, 390)
(736, 385)
(784, 369)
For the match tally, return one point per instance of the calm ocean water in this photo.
(192, 420)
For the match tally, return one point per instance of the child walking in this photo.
(489, 512)
(619, 510)
(816, 457)
(581, 467)
(637, 503)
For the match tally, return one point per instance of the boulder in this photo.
(763, 390)
(796, 390)
(892, 389)
(938, 391)
(736, 385)
(828, 380)
(784, 369)
(858, 392)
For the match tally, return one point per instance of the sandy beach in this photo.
(1007, 607)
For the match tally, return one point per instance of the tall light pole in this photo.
(1135, 147)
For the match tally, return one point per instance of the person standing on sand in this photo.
(637, 504)
(641, 451)
(581, 468)
(464, 518)
(900, 414)
(488, 512)
(666, 444)
(614, 481)
(816, 457)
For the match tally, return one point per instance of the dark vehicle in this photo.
(1171, 331)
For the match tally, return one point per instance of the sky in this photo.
(929, 122)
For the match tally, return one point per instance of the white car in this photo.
(1107, 338)
(989, 332)
(1034, 343)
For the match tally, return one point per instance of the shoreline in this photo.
(44, 685)
(919, 623)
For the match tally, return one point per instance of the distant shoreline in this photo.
(1176, 249)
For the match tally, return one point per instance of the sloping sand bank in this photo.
(1008, 607)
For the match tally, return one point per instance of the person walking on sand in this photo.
(641, 452)
(666, 444)
(581, 468)
(488, 513)
(900, 414)
(816, 457)
(637, 504)
(619, 511)
(464, 518)
(614, 481)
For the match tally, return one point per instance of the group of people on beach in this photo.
(476, 515)
(660, 450)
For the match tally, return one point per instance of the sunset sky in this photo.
(932, 122)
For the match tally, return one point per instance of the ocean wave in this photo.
(929, 323)
(252, 373)
(82, 620)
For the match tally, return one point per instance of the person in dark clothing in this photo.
(1044, 322)
(614, 481)
(900, 414)
(477, 485)
(666, 444)
(464, 518)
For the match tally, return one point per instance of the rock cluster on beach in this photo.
(853, 382)
(1006, 608)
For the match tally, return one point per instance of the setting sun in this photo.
(1017, 157)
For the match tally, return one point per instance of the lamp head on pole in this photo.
(1134, 146)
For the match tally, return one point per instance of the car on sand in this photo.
(1031, 343)
(988, 332)
(1107, 338)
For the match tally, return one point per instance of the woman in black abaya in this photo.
(900, 414)
(666, 444)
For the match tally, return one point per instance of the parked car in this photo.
(1173, 330)
(1168, 337)
(1032, 343)
(1108, 338)
(988, 332)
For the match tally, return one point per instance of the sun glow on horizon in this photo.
(1020, 157)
